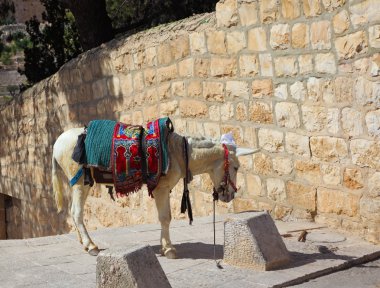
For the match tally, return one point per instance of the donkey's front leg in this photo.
(161, 196)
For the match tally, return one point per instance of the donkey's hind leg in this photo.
(80, 193)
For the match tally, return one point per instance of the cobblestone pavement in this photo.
(59, 261)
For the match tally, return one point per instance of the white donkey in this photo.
(204, 157)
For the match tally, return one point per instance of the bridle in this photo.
(223, 186)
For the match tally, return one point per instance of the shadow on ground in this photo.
(195, 250)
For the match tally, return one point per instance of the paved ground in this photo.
(59, 261)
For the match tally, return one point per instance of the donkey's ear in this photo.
(245, 151)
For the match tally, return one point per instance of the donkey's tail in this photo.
(57, 185)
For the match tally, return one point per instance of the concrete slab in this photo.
(44, 260)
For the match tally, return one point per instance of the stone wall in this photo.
(297, 78)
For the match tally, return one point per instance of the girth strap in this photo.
(185, 203)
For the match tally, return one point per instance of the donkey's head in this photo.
(224, 172)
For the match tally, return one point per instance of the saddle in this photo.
(125, 155)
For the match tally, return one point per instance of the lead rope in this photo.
(215, 196)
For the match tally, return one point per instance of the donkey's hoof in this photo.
(171, 253)
(94, 251)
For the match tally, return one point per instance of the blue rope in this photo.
(75, 179)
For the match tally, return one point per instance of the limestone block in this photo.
(216, 42)
(197, 42)
(374, 185)
(223, 67)
(165, 53)
(168, 108)
(269, 11)
(164, 91)
(308, 170)
(262, 164)
(374, 36)
(271, 140)
(280, 36)
(287, 115)
(213, 91)
(241, 111)
(329, 149)
(365, 153)
(351, 121)
(364, 12)
(257, 39)
(336, 201)
(151, 56)
(179, 89)
(372, 120)
(290, 9)
(331, 5)
(192, 108)
(236, 41)
(298, 91)
(186, 67)
(305, 63)
(325, 63)
(282, 165)
(252, 240)
(260, 112)
(353, 178)
(343, 87)
(276, 189)
(352, 44)
(297, 144)
(341, 22)
(266, 64)
(214, 112)
(262, 88)
(249, 65)
(366, 92)
(314, 118)
(248, 13)
(330, 174)
(375, 65)
(167, 73)
(320, 35)
(201, 67)
(285, 66)
(281, 91)
(134, 267)
(194, 89)
(311, 8)
(370, 208)
(212, 130)
(333, 124)
(150, 76)
(180, 47)
(300, 35)
(301, 195)
(227, 111)
(226, 13)
(237, 89)
(254, 185)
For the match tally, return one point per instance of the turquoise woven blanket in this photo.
(98, 143)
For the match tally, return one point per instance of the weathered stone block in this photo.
(282, 165)
(249, 65)
(341, 22)
(254, 185)
(262, 88)
(305, 63)
(290, 9)
(257, 39)
(309, 171)
(260, 112)
(238, 89)
(364, 12)
(352, 44)
(129, 268)
(252, 240)
(353, 178)
(248, 13)
(301, 195)
(280, 36)
(276, 189)
(330, 149)
(223, 67)
(236, 41)
(266, 65)
(297, 144)
(311, 8)
(226, 13)
(262, 164)
(213, 91)
(285, 66)
(325, 63)
(281, 91)
(365, 153)
(374, 36)
(241, 111)
(298, 91)
(192, 108)
(351, 123)
(269, 11)
(314, 118)
(372, 120)
(336, 201)
(330, 174)
(197, 43)
(271, 140)
(300, 35)
(287, 115)
(216, 42)
(331, 5)
(320, 35)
